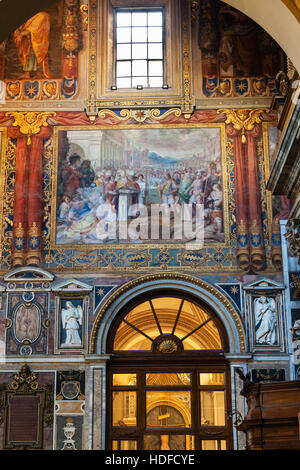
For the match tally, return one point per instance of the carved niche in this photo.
(264, 309)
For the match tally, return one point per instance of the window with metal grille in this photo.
(139, 48)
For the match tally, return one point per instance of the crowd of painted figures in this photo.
(92, 199)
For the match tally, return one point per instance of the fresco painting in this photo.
(110, 176)
(31, 50)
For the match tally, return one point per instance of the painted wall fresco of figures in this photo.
(238, 58)
(31, 52)
(88, 169)
(110, 176)
(38, 60)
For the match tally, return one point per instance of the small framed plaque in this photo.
(24, 420)
(28, 407)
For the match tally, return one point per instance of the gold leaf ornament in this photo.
(30, 123)
(243, 119)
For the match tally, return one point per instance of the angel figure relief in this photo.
(71, 323)
(265, 320)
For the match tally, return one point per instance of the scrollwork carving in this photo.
(292, 236)
(30, 123)
(243, 119)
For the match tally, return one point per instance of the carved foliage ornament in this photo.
(140, 115)
(25, 380)
(292, 236)
(84, 10)
(30, 123)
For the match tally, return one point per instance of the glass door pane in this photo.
(212, 378)
(168, 409)
(124, 379)
(212, 408)
(169, 442)
(124, 445)
(213, 445)
(168, 379)
(124, 408)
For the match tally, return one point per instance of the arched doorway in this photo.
(168, 381)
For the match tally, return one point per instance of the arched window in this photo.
(168, 380)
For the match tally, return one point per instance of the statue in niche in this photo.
(265, 320)
(71, 324)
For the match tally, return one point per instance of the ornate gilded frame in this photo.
(25, 385)
(139, 246)
(3, 145)
(100, 38)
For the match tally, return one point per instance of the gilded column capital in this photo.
(243, 119)
(30, 123)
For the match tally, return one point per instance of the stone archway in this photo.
(201, 289)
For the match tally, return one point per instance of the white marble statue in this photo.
(265, 321)
(71, 321)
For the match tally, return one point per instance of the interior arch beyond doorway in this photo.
(179, 283)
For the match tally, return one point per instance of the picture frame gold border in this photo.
(139, 246)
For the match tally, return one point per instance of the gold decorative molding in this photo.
(124, 115)
(243, 119)
(25, 380)
(34, 230)
(20, 230)
(195, 7)
(30, 123)
(140, 115)
(84, 10)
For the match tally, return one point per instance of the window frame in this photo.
(178, 60)
(163, 60)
